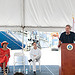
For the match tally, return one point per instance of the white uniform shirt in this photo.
(36, 52)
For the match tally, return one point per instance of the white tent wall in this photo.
(54, 13)
(10, 13)
(42, 15)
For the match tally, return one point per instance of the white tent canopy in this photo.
(43, 15)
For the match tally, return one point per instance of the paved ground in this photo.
(45, 70)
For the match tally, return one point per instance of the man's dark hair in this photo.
(68, 26)
(2, 45)
(33, 43)
(17, 73)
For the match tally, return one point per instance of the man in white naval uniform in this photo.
(35, 55)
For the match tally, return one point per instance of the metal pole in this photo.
(73, 22)
(23, 21)
(22, 39)
(23, 26)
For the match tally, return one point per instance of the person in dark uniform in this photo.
(67, 37)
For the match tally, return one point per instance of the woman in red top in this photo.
(4, 56)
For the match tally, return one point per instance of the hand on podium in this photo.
(59, 46)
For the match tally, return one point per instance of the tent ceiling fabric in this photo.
(52, 14)
(11, 28)
(49, 12)
(10, 14)
(45, 29)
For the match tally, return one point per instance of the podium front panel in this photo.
(67, 60)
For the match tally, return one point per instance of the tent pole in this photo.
(23, 26)
(23, 22)
(22, 39)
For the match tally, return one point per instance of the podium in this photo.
(67, 66)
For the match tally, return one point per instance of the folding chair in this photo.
(23, 61)
(37, 68)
